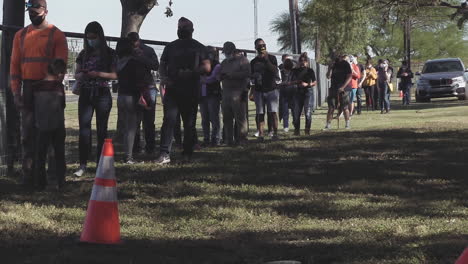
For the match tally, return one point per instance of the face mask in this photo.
(184, 33)
(93, 43)
(36, 20)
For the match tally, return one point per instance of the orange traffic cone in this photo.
(463, 259)
(102, 219)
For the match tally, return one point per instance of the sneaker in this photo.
(307, 132)
(271, 134)
(81, 170)
(347, 126)
(327, 127)
(286, 129)
(163, 159)
(130, 161)
(257, 134)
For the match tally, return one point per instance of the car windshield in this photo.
(443, 66)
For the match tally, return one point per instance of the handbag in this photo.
(390, 87)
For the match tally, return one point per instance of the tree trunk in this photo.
(134, 13)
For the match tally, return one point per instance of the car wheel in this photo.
(463, 97)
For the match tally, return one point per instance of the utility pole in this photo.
(294, 26)
(13, 16)
(256, 19)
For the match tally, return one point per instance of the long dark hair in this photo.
(104, 50)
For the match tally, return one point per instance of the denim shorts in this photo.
(352, 95)
(270, 99)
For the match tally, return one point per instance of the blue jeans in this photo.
(86, 106)
(406, 89)
(209, 110)
(303, 100)
(286, 103)
(384, 96)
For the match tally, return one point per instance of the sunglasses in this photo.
(33, 5)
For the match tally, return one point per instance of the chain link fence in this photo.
(75, 45)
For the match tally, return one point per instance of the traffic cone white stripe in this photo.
(104, 194)
(106, 164)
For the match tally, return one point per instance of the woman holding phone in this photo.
(95, 66)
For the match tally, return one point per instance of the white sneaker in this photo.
(327, 127)
(81, 170)
(163, 159)
(286, 129)
(271, 134)
(257, 134)
(347, 126)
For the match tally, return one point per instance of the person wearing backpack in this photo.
(180, 74)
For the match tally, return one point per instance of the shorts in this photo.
(352, 95)
(270, 99)
(332, 100)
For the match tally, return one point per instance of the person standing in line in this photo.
(369, 85)
(383, 78)
(265, 74)
(360, 89)
(34, 47)
(210, 100)
(180, 72)
(49, 105)
(234, 74)
(406, 75)
(133, 91)
(95, 66)
(304, 99)
(287, 91)
(354, 82)
(340, 74)
(148, 57)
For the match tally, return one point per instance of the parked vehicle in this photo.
(442, 78)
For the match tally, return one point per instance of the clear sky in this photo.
(215, 21)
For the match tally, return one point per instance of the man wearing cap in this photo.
(34, 47)
(180, 75)
(148, 57)
(234, 74)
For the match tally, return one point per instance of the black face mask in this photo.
(36, 20)
(184, 33)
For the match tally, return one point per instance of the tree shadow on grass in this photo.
(309, 246)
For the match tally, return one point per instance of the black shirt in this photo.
(265, 73)
(179, 62)
(306, 75)
(340, 72)
(132, 78)
(405, 79)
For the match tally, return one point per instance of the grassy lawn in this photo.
(391, 190)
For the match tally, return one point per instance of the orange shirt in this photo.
(356, 76)
(33, 50)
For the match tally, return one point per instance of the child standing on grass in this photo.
(49, 105)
